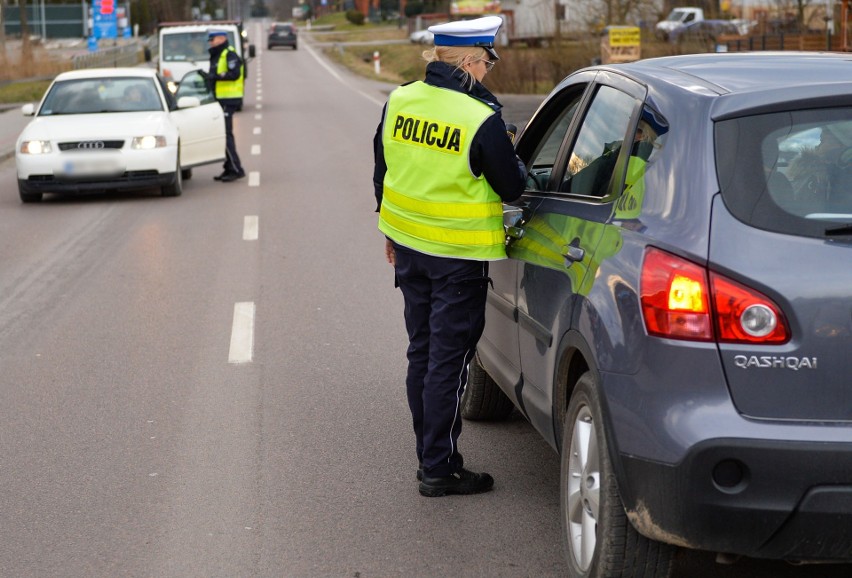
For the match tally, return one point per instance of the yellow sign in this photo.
(624, 36)
(474, 7)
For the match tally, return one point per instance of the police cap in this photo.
(478, 32)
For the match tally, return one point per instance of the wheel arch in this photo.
(574, 358)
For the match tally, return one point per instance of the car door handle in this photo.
(572, 254)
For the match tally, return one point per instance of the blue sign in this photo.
(104, 19)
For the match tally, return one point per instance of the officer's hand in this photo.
(390, 255)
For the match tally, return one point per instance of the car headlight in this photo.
(147, 142)
(35, 147)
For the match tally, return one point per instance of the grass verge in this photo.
(23, 91)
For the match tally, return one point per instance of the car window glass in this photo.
(547, 148)
(101, 95)
(649, 139)
(194, 84)
(593, 157)
(185, 46)
(788, 172)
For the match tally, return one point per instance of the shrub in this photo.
(355, 17)
(413, 8)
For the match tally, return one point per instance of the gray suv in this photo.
(675, 317)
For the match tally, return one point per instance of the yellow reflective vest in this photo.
(431, 201)
(229, 88)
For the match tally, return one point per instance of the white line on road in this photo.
(251, 228)
(258, 116)
(255, 149)
(254, 179)
(242, 333)
(334, 73)
(256, 130)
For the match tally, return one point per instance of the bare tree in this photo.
(600, 13)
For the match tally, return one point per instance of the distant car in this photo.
(282, 34)
(704, 32)
(422, 37)
(113, 129)
(675, 315)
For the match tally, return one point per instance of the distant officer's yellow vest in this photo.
(228, 88)
(431, 201)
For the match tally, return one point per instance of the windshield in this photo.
(187, 46)
(789, 172)
(95, 95)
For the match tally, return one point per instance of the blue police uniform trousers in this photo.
(232, 162)
(444, 316)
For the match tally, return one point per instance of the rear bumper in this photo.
(764, 499)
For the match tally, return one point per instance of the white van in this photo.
(183, 46)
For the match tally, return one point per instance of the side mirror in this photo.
(188, 102)
(28, 109)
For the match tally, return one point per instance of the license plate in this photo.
(91, 167)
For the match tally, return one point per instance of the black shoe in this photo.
(222, 176)
(462, 482)
(232, 177)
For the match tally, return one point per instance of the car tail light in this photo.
(675, 297)
(681, 301)
(745, 316)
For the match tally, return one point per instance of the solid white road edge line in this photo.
(338, 77)
(242, 333)
(254, 179)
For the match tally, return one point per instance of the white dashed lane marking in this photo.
(251, 228)
(242, 333)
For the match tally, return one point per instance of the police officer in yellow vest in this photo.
(227, 78)
(443, 166)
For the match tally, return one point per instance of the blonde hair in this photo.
(457, 56)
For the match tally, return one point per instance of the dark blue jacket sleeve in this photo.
(380, 167)
(493, 156)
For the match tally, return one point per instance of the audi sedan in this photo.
(117, 129)
(675, 315)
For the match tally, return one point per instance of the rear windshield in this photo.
(789, 172)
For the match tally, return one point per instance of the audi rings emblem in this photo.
(91, 145)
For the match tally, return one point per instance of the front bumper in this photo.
(127, 181)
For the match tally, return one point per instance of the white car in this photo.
(118, 129)
(422, 37)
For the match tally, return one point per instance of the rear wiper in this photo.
(839, 231)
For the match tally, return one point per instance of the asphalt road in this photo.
(141, 435)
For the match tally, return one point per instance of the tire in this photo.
(27, 197)
(176, 187)
(186, 174)
(598, 539)
(483, 399)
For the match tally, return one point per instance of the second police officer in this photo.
(443, 166)
(226, 76)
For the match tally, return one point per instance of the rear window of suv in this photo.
(788, 172)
